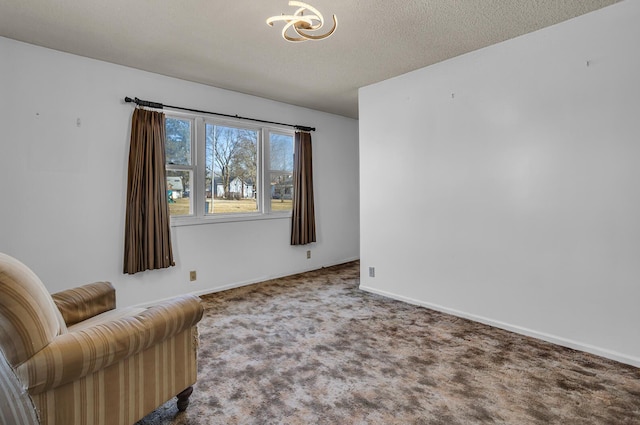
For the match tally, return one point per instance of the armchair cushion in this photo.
(86, 301)
(77, 354)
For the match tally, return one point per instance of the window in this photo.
(180, 170)
(281, 171)
(231, 169)
(226, 169)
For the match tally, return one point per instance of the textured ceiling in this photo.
(227, 44)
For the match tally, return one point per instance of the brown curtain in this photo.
(303, 221)
(147, 239)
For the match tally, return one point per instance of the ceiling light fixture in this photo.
(301, 25)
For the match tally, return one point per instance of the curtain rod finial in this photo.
(304, 128)
(146, 103)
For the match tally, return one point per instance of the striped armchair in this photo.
(73, 358)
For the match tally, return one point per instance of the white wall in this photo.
(64, 186)
(503, 185)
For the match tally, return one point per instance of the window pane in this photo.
(231, 169)
(281, 171)
(178, 141)
(179, 193)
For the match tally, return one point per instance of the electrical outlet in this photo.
(192, 275)
(308, 254)
(372, 272)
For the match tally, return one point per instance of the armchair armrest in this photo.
(76, 354)
(85, 301)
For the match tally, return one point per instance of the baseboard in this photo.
(576, 345)
(265, 278)
(248, 282)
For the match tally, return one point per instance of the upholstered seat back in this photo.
(29, 319)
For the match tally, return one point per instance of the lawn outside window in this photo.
(225, 170)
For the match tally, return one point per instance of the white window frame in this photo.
(198, 166)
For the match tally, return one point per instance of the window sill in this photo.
(210, 219)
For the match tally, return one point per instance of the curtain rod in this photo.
(157, 105)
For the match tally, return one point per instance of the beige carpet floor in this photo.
(314, 349)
